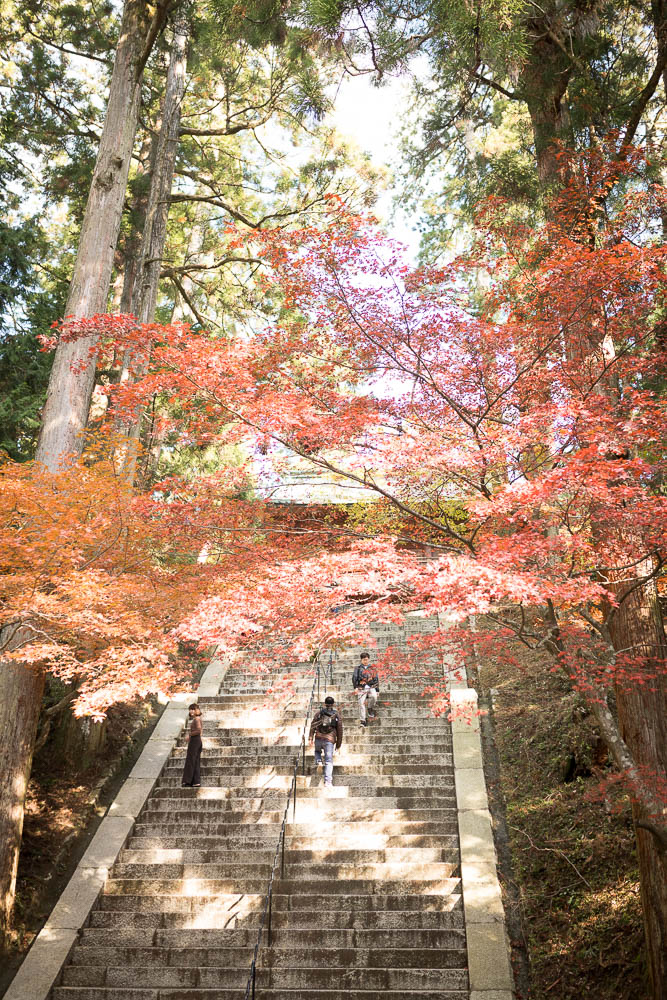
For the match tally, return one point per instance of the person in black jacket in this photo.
(365, 683)
(326, 730)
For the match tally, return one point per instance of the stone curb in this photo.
(488, 948)
(50, 949)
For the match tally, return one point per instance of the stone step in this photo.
(374, 840)
(386, 717)
(295, 920)
(408, 871)
(222, 756)
(438, 885)
(365, 740)
(256, 780)
(380, 825)
(316, 957)
(235, 825)
(332, 855)
(334, 812)
(283, 938)
(402, 722)
(252, 785)
(227, 909)
(232, 809)
(172, 774)
(300, 993)
(346, 978)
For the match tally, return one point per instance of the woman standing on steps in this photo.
(191, 776)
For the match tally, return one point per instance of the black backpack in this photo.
(327, 721)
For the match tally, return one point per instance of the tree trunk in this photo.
(544, 80)
(73, 374)
(144, 297)
(642, 710)
(21, 690)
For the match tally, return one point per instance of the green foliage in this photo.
(24, 374)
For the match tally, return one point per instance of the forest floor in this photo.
(574, 875)
(64, 806)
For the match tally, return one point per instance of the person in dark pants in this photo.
(367, 687)
(191, 776)
(326, 730)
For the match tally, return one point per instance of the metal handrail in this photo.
(280, 846)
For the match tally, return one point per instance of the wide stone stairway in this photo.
(369, 905)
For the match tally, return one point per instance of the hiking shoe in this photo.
(372, 715)
(363, 723)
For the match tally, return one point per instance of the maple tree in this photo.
(502, 410)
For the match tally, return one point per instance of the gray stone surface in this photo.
(79, 895)
(131, 797)
(488, 958)
(476, 836)
(467, 750)
(212, 677)
(488, 950)
(482, 898)
(171, 723)
(42, 964)
(152, 759)
(470, 788)
(107, 842)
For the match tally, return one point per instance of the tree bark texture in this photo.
(144, 297)
(147, 274)
(21, 690)
(642, 710)
(73, 374)
(544, 82)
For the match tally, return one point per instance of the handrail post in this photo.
(294, 800)
(270, 900)
(318, 682)
(253, 979)
(303, 750)
(282, 859)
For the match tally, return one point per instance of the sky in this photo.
(371, 117)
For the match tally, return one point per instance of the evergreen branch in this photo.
(640, 105)
(190, 304)
(162, 11)
(512, 95)
(69, 52)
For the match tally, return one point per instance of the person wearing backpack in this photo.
(367, 687)
(326, 730)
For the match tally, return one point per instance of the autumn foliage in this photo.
(504, 410)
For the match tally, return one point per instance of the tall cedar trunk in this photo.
(138, 209)
(642, 714)
(544, 80)
(20, 700)
(144, 298)
(70, 390)
(73, 374)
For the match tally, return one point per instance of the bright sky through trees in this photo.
(371, 116)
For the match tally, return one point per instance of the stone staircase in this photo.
(370, 902)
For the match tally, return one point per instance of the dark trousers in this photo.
(191, 775)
